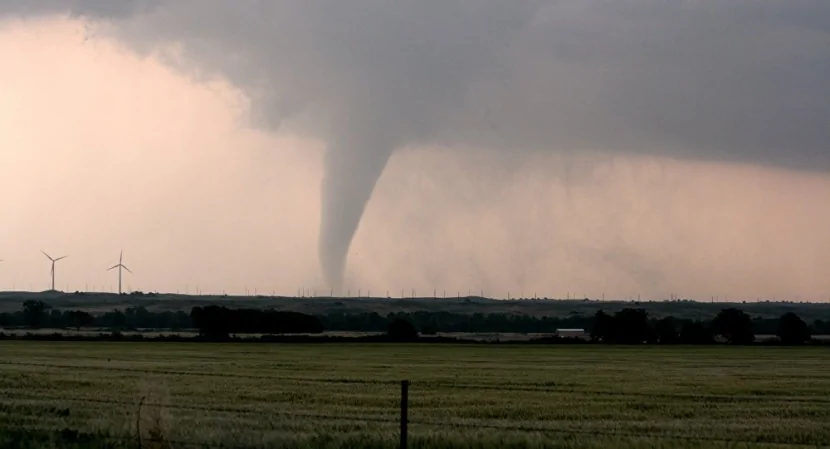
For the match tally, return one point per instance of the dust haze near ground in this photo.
(104, 148)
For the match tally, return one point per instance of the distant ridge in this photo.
(97, 302)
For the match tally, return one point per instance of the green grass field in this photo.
(309, 396)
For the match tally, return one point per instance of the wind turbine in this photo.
(53, 266)
(120, 266)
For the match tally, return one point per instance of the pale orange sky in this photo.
(101, 149)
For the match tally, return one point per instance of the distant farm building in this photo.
(571, 333)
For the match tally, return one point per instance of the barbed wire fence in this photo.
(402, 423)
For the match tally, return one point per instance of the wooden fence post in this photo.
(404, 412)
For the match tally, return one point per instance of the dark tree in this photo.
(35, 312)
(402, 330)
(213, 322)
(666, 331)
(79, 319)
(55, 319)
(792, 330)
(602, 328)
(116, 319)
(734, 325)
(631, 326)
(628, 326)
(695, 333)
(218, 322)
(821, 327)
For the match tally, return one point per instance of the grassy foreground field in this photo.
(280, 396)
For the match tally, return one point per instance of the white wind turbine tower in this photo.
(120, 267)
(53, 266)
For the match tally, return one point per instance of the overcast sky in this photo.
(550, 147)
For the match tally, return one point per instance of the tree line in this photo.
(630, 325)
(220, 322)
(633, 326)
(38, 314)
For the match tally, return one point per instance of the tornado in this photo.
(352, 167)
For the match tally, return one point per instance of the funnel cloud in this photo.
(743, 81)
(347, 186)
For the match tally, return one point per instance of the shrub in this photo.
(401, 330)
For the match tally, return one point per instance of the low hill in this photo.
(102, 302)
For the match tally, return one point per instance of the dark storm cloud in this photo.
(738, 80)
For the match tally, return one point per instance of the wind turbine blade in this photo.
(50, 257)
(61, 258)
(121, 256)
(125, 267)
(113, 267)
